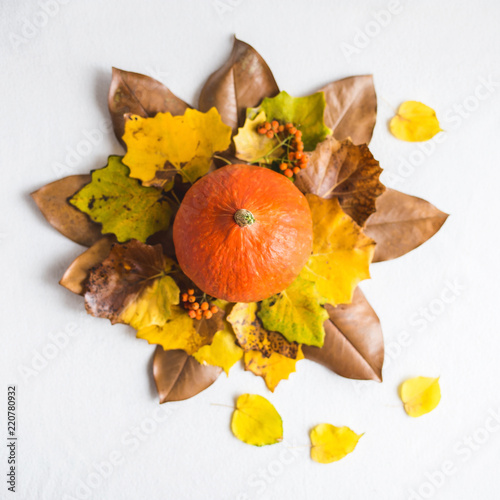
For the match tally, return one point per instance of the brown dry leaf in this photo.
(252, 336)
(241, 82)
(132, 286)
(179, 376)
(354, 344)
(52, 200)
(76, 275)
(351, 108)
(140, 95)
(348, 172)
(401, 224)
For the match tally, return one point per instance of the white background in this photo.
(85, 404)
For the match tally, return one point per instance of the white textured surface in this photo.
(88, 401)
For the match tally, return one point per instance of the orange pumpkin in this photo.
(243, 233)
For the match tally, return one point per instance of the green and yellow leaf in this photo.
(306, 113)
(296, 313)
(123, 207)
(252, 336)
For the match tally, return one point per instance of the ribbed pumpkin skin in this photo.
(243, 264)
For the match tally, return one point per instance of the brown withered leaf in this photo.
(240, 83)
(179, 376)
(252, 336)
(132, 286)
(354, 344)
(76, 275)
(52, 200)
(402, 223)
(351, 108)
(139, 95)
(345, 171)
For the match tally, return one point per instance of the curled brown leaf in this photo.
(52, 200)
(140, 95)
(344, 171)
(179, 376)
(351, 108)
(76, 275)
(354, 344)
(241, 82)
(402, 223)
(115, 287)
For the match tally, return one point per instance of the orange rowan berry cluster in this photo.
(296, 159)
(197, 310)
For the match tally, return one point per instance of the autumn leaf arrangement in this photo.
(240, 231)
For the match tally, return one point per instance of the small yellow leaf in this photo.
(420, 395)
(273, 369)
(330, 443)
(158, 148)
(222, 352)
(415, 122)
(252, 146)
(255, 421)
(341, 252)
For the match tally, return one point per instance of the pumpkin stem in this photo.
(243, 217)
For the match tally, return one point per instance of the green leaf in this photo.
(296, 313)
(121, 204)
(306, 113)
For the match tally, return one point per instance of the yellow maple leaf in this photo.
(182, 332)
(420, 395)
(330, 443)
(255, 421)
(252, 146)
(414, 122)
(341, 252)
(162, 146)
(273, 369)
(222, 352)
